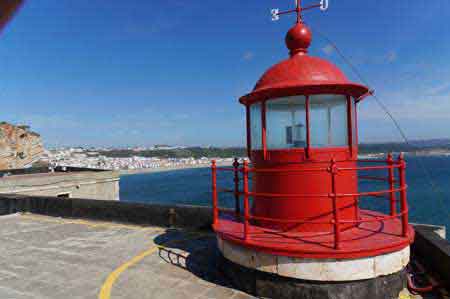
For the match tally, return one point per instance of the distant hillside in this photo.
(196, 152)
(211, 152)
(415, 146)
(19, 147)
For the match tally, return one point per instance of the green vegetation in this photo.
(216, 152)
(413, 146)
(196, 152)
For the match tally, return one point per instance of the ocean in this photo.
(428, 202)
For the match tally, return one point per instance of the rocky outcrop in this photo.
(19, 147)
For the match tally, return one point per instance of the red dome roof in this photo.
(302, 74)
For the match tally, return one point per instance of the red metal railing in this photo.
(395, 186)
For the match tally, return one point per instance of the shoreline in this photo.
(125, 172)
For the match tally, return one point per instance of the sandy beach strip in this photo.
(124, 172)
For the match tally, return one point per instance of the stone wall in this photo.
(433, 250)
(116, 211)
(99, 185)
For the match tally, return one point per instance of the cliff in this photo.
(19, 147)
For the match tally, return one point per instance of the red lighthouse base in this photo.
(370, 238)
(371, 245)
(264, 285)
(370, 262)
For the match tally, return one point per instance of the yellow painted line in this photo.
(87, 223)
(105, 292)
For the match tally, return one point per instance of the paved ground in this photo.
(46, 257)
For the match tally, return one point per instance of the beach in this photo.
(124, 172)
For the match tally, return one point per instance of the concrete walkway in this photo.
(46, 257)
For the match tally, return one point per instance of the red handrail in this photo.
(284, 195)
(376, 218)
(391, 181)
(373, 178)
(334, 195)
(293, 170)
(369, 167)
(403, 202)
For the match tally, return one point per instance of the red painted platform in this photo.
(364, 240)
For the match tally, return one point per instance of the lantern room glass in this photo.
(354, 120)
(328, 121)
(286, 123)
(256, 126)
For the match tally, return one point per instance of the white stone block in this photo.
(391, 263)
(347, 270)
(239, 255)
(326, 270)
(266, 262)
(316, 269)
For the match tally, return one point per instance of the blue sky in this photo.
(142, 72)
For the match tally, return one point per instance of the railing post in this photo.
(403, 202)
(246, 205)
(237, 207)
(337, 229)
(214, 192)
(392, 197)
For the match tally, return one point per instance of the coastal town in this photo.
(145, 159)
(22, 148)
(94, 159)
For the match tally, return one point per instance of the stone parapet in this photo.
(433, 250)
(104, 210)
(102, 185)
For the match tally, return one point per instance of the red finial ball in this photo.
(298, 39)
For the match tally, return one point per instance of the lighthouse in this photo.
(299, 221)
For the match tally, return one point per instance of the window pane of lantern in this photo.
(354, 133)
(285, 122)
(256, 127)
(328, 120)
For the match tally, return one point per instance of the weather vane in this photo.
(276, 13)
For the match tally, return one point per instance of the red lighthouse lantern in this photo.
(302, 212)
(301, 116)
